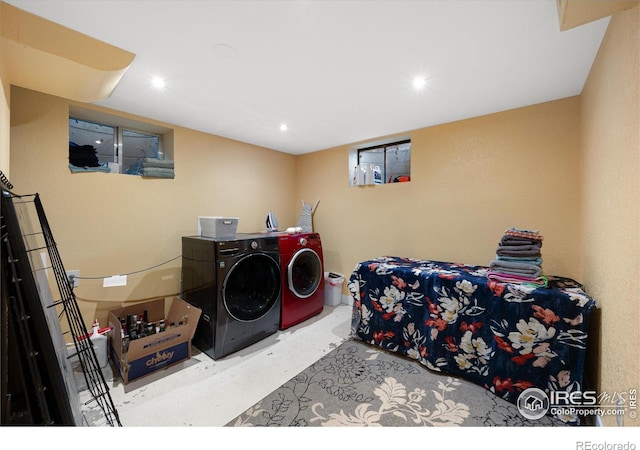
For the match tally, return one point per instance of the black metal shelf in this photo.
(39, 385)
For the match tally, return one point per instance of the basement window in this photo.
(381, 162)
(100, 142)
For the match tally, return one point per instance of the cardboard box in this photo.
(217, 227)
(157, 351)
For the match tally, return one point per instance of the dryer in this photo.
(302, 266)
(237, 285)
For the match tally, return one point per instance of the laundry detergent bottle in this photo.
(99, 342)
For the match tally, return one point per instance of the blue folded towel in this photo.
(537, 260)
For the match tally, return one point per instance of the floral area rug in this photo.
(359, 385)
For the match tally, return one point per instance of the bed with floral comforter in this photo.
(451, 318)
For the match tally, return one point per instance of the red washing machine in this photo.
(302, 277)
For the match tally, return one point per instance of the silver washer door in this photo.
(304, 273)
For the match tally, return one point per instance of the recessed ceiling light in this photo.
(158, 82)
(284, 127)
(419, 82)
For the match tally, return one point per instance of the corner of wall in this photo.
(5, 122)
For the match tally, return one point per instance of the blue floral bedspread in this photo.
(451, 318)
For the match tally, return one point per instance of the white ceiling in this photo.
(336, 72)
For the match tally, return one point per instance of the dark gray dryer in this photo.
(236, 283)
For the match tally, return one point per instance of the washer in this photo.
(237, 285)
(302, 277)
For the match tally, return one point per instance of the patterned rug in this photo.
(360, 385)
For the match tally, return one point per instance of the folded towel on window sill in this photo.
(157, 172)
(159, 163)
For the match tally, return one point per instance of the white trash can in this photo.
(333, 288)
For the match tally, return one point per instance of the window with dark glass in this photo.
(381, 163)
(111, 148)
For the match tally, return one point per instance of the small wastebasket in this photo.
(333, 288)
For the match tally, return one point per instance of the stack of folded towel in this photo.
(518, 258)
(159, 168)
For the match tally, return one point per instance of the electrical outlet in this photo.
(74, 277)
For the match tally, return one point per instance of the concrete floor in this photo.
(204, 392)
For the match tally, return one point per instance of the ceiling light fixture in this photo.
(284, 127)
(419, 83)
(158, 82)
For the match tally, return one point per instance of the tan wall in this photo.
(112, 224)
(4, 116)
(611, 197)
(470, 181)
(568, 168)
(4, 127)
